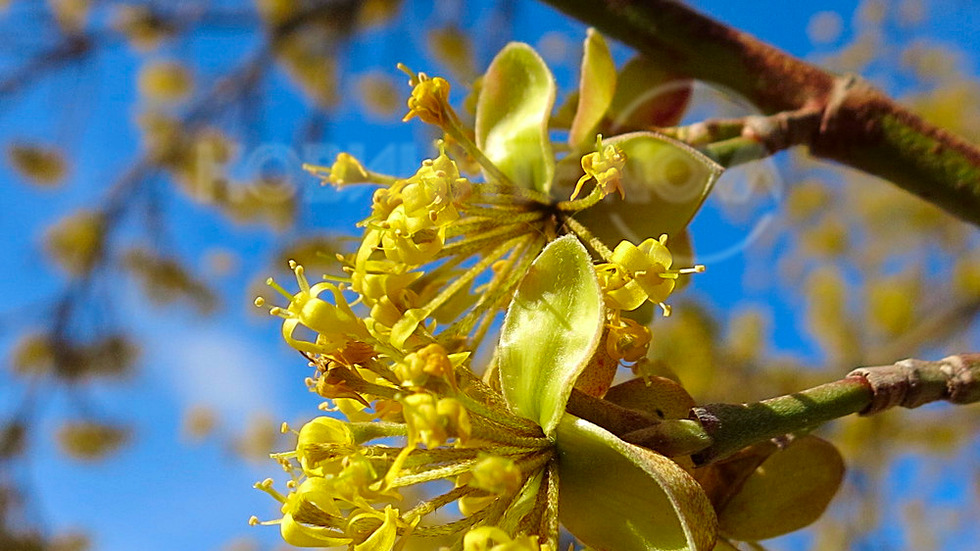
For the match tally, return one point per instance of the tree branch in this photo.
(726, 428)
(866, 390)
(859, 125)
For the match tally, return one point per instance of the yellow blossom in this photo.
(497, 475)
(355, 484)
(383, 537)
(301, 506)
(636, 274)
(321, 443)
(605, 165)
(429, 100)
(491, 538)
(431, 361)
(331, 386)
(43, 166)
(431, 193)
(628, 340)
(407, 241)
(344, 171)
(336, 324)
(376, 282)
(434, 421)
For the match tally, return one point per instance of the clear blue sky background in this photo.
(160, 494)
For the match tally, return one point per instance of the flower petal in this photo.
(621, 497)
(301, 535)
(597, 83)
(550, 332)
(512, 116)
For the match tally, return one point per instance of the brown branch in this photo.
(912, 383)
(859, 125)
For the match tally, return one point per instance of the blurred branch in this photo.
(72, 47)
(859, 125)
(934, 329)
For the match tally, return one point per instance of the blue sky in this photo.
(160, 493)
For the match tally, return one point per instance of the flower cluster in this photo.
(481, 228)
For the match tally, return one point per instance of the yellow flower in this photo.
(336, 324)
(432, 193)
(497, 475)
(322, 443)
(636, 274)
(355, 484)
(344, 171)
(605, 165)
(491, 538)
(406, 240)
(383, 537)
(433, 422)
(310, 503)
(429, 100)
(376, 282)
(431, 361)
(628, 340)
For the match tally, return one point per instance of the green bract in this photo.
(512, 116)
(646, 95)
(789, 490)
(550, 332)
(617, 496)
(597, 84)
(612, 495)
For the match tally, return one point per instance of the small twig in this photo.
(912, 383)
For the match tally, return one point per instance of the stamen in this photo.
(413, 79)
(266, 486)
(304, 285)
(279, 288)
(280, 312)
(338, 279)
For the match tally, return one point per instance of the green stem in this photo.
(735, 151)
(586, 237)
(859, 125)
(365, 432)
(866, 390)
(734, 426)
(726, 428)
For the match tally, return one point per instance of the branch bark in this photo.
(859, 125)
